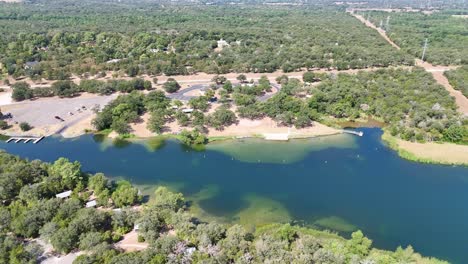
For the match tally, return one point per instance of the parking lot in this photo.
(43, 112)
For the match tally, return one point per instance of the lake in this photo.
(341, 183)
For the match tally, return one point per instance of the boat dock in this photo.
(276, 136)
(34, 140)
(357, 133)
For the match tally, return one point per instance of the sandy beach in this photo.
(441, 152)
(429, 152)
(244, 128)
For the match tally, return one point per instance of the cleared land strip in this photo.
(381, 31)
(436, 71)
(438, 74)
(204, 78)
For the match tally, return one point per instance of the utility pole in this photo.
(387, 25)
(424, 50)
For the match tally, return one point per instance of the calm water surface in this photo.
(340, 182)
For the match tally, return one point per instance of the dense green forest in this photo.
(79, 38)
(446, 34)
(459, 79)
(410, 101)
(414, 106)
(30, 211)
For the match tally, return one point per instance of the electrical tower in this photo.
(424, 50)
(387, 24)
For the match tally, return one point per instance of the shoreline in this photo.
(429, 152)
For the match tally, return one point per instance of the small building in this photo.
(63, 195)
(189, 251)
(113, 61)
(222, 43)
(30, 64)
(92, 203)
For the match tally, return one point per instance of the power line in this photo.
(424, 50)
(387, 25)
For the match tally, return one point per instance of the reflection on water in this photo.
(261, 151)
(153, 144)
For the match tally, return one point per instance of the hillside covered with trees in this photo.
(30, 211)
(55, 39)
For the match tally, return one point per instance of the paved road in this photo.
(265, 97)
(180, 95)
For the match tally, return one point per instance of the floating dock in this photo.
(357, 133)
(34, 140)
(277, 136)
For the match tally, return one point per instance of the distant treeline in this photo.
(52, 41)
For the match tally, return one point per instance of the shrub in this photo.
(171, 86)
(21, 91)
(25, 126)
(3, 125)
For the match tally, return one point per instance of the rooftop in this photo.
(63, 194)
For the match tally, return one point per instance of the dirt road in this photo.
(436, 71)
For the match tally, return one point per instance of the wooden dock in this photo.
(25, 140)
(357, 133)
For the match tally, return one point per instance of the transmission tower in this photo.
(424, 50)
(387, 24)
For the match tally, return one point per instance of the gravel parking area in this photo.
(42, 112)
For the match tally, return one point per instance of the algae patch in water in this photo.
(262, 151)
(262, 210)
(335, 223)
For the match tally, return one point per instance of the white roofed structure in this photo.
(63, 195)
(92, 203)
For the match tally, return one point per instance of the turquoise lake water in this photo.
(342, 183)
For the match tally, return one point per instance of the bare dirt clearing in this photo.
(41, 113)
(130, 242)
(244, 128)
